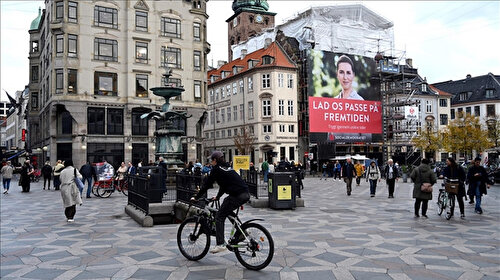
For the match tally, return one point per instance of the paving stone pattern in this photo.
(333, 237)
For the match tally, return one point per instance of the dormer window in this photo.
(424, 87)
(252, 63)
(267, 60)
(225, 74)
(237, 69)
(213, 78)
(490, 93)
(463, 96)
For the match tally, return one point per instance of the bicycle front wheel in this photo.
(440, 203)
(104, 190)
(94, 190)
(257, 250)
(193, 242)
(451, 206)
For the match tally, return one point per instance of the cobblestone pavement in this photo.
(333, 237)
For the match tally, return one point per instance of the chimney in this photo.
(243, 53)
(268, 42)
(409, 62)
(220, 63)
(468, 76)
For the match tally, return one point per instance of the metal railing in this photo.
(138, 192)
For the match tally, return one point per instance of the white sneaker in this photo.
(218, 249)
(71, 220)
(5, 191)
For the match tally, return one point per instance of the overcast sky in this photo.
(446, 40)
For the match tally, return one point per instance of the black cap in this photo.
(216, 155)
(477, 159)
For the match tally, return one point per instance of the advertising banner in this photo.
(411, 112)
(241, 162)
(344, 98)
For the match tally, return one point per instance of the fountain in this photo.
(171, 124)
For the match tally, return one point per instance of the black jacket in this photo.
(46, 171)
(395, 172)
(228, 180)
(456, 173)
(88, 171)
(348, 170)
(473, 180)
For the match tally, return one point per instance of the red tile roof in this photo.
(280, 59)
(440, 92)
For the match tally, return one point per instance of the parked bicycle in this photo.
(446, 197)
(252, 244)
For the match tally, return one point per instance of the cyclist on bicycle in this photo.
(230, 183)
(454, 171)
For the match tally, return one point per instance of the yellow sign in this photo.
(270, 185)
(241, 162)
(284, 192)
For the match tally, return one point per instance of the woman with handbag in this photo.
(69, 190)
(423, 178)
(454, 172)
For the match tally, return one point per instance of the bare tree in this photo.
(244, 141)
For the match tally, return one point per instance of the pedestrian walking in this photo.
(373, 175)
(57, 173)
(338, 167)
(391, 173)
(6, 171)
(478, 183)
(47, 175)
(88, 173)
(420, 175)
(25, 179)
(359, 172)
(455, 172)
(348, 173)
(325, 170)
(69, 191)
(265, 170)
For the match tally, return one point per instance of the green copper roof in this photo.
(257, 5)
(36, 22)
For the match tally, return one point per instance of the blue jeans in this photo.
(266, 172)
(89, 188)
(373, 186)
(6, 183)
(478, 197)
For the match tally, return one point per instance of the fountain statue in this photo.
(171, 125)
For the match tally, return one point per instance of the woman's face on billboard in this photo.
(345, 76)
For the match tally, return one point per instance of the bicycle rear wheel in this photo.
(451, 206)
(440, 203)
(125, 188)
(255, 252)
(104, 190)
(193, 242)
(94, 190)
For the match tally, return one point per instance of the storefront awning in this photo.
(16, 154)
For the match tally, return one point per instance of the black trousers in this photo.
(227, 207)
(424, 203)
(348, 184)
(460, 200)
(45, 180)
(358, 180)
(390, 184)
(70, 212)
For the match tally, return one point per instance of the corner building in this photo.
(253, 99)
(91, 66)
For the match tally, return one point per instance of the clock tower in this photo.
(250, 18)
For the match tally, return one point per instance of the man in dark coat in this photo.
(348, 172)
(88, 173)
(478, 182)
(47, 174)
(391, 173)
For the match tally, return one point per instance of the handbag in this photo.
(78, 182)
(425, 187)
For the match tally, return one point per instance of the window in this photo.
(141, 85)
(59, 10)
(139, 126)
(229, 132)
(171, 81)
(251, 130)
(235, 88)
(235, 114)
(252, 63)
(223, 134)
(290, 81)
(72, 12)
(211, 94)
(212, 117)
(95, 120)
(250, 84)
(59, 44)
(141, 52)
(105, 83)
(490, 93)
(217, 134)
(170, 27)
(34, 100)
(59, 80)
(468, 110)
(115, 122)
(235, 132)
(197, 91)
(217, 93)
(171, 57)
(106, 17)
(282, 128)
(242, 87)
(424, 87)
(72, 45)
(280, 80)
(452, 114)
(250, 110)
(267, 128)
(242, 111)
(217, 115)
(66, 123)
(428, 106)
(141, 21)
(212, 134)
(197, 31)
(197, 61)
(477, 111)
(228, 90)
(281, 107)
(72, 81)
(460, 112)
(228, 110)
(267, 60)
(462, 96)
(490, 110)
(266, 80)
(223, 115)
(291, 128)
(266, 108)
(443, 103)
(34, 46)
(443, 119)
(34, 73)
(105, 49)
(290, 107)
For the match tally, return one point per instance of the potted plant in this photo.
(405, 170)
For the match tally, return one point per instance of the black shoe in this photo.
(424, 215)
(417, 215)
(462, 216)
(88, 197)
(471, 202)
(348, 193)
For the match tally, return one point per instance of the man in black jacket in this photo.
(348, 172)
(391, 173)
(88, 173)
(478, 182)
(230, 183)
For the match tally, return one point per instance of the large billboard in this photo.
(344, 98)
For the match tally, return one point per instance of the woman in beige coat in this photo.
(69, 191)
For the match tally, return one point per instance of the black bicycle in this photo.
(251, 242)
